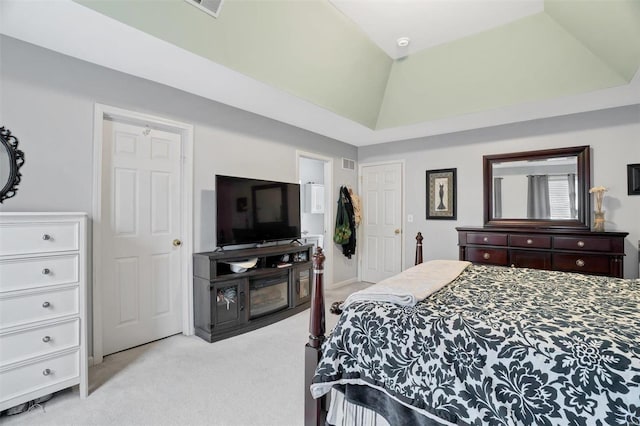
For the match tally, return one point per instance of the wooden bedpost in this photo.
(419, 248)
(314, 409)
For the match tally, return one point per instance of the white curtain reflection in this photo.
(538, 206)
(497, 197)
(571, 182)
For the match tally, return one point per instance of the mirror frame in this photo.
(16, 160)
(582, 194)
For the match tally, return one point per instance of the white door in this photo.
(141, 222)
(382, 221)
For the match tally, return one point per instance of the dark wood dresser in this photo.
(598, 253)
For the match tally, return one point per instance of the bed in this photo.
(496, 345)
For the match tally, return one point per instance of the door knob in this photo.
(397, 231)
(177, 243)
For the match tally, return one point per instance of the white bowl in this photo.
(243, 265)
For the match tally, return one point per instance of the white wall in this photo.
(612, 135)
(514, 199)
(47, 100)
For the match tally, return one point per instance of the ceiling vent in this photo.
(348, 164)
(212, 7)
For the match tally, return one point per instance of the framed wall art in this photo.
(633, 179)
(441, 194)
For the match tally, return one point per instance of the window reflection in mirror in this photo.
(536, 189)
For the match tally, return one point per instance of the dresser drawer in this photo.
(488, 256)
(488, 239)
(533, 241)
(28, 378)
(589, 264)
(38, 272)
(38, 306)
(530, 259)
(29, 238)
(24, 344)
(586, 243)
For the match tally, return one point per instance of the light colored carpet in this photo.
(252, 379)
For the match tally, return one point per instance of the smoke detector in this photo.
(403, 41)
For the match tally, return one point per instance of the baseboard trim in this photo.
(343, 283)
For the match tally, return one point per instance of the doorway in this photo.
(142, 230)
(316, 208)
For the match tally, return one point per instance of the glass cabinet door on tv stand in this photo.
(302, 284)
(229, 299)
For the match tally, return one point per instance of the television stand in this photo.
(228, 303)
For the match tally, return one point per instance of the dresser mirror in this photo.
(542, 189)
(11, 159)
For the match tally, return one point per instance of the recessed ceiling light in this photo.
(403, 41)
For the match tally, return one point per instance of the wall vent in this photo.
(212, 7)
(348, 164)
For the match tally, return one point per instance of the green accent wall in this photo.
(306, 48)
(312, 51)
(609, 28)
(528, 60)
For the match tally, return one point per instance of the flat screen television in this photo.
(253, 211)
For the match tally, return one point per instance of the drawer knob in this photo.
(580, 243)
(46, 271)
(486, 256)
(529, 241)
(46, 372)
(485, 239)
(46, 237)
(46, 339)
(580, 262)
(46, 304)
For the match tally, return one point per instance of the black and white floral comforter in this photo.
(500, 346)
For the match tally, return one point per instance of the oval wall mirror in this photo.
(543, 189)
(11, 159)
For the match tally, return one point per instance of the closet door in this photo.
(141, 215)
(382, 221)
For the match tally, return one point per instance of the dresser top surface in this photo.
(5, 213)
(546, 231)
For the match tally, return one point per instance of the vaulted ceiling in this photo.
(332, 67)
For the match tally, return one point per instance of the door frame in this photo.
(403, 168)
(185, 130)
(329, 213)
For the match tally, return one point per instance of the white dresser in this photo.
(43, 309)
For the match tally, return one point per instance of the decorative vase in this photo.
(598, 221)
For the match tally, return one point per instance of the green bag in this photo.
(342, 234)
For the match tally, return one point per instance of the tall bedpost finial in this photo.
(315, 409)
(317, 323)
(419, 248)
